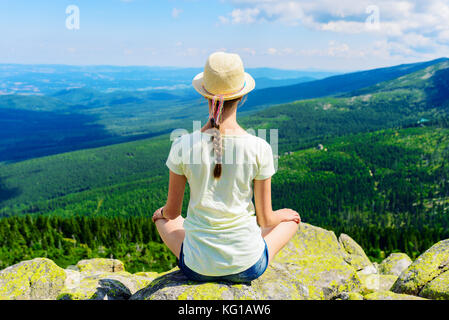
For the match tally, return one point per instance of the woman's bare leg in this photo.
(277, 237)
(172, 233)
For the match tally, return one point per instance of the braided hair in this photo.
(218, 148)
(215, 119)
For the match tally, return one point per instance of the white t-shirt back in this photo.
(222, 235)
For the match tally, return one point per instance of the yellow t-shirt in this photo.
(221, 232)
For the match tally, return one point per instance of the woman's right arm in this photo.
(266, 217)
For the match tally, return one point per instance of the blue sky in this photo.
(289, 34)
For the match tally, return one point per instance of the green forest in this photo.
(388, 189)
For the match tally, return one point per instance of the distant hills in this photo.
(332, 86)
(404, 100)
(49, 79)
(301, 124)
(91, 106)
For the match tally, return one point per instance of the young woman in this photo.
(224, 236)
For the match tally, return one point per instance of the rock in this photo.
(438, 288)
(105, 286)
(349, 296)
(100, 264)
(37, 279)
(388, 295)
(427, 268)
(354, 296)
(152, 275)
(311, 266)
(73, 279)
(356, 256)
(173, 285)
(395, 263)
(376, 282)
(371, 269)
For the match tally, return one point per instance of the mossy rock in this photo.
(354, 296)
(438, 288)
(100, 265)
(310, 266)
(427, 268)
(350, 296)
(356, 255)
(388, 295)
(174, 285)
(105, 286)
(376, 282)
(395, 263)
(37, 279)
(152, 275)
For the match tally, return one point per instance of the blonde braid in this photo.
(217, 143)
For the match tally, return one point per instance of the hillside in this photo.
(406, 100)
(333, 85)
(387, 189)
(73, 108)
(301, 124)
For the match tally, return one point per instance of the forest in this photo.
(388, 189)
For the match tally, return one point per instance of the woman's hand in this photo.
(289, 215)
(158, 214)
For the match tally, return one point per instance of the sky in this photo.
(329, 35)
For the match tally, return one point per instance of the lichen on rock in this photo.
(100, 264)
(388, 295)
(438, 288)
(427, 268)
(313, 265)
(310, 266)
(376, 282)
(356, 255)
(395, 263)
(37, 279)
(105, 285)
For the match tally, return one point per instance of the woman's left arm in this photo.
(176, 188)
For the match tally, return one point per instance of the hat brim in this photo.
(250, 84)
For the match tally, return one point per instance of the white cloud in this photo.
(407, 26)
(244, 15)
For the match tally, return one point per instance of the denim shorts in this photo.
(247, 275)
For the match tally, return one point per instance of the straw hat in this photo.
(223, 77)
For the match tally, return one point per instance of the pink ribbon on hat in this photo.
(217, 114)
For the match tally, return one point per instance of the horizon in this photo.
(283, 34)
(341, 71)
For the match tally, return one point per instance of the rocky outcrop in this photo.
(428, 275)
(37, 279)
(376, 282)
(394, 264)
(100, 264)
(388, 295)
(313, 265)
(104, 286)
(356, 257)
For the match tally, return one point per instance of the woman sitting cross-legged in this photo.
(224, 236)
